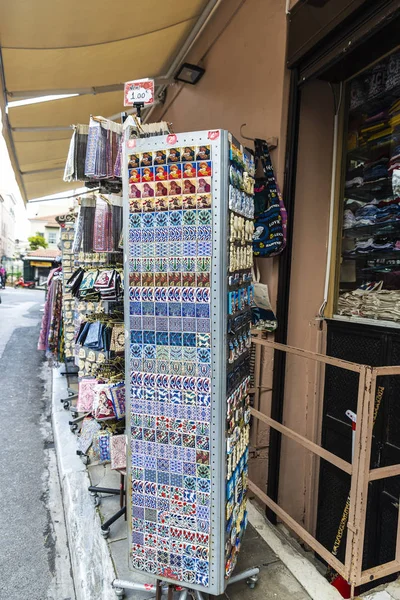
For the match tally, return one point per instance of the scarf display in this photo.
(103, 149)
(50, 336)
(75, 165)
(99, 224)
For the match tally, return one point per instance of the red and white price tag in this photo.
(139, 91)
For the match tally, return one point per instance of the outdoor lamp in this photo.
(189, 73)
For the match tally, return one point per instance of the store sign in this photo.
(140, 91)
(35, 263)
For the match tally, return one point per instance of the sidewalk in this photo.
(284, 573)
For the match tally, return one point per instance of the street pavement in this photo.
(34, 555)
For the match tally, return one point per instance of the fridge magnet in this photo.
(133, 161)
(175, 202)
(203, 153)
(204, 169)
(161, 173)
(148, 203)
(135, 191)
(161, 203)
(147, 174)
(174, 155)
(134, 175)
(204, 185)
(189, 170)
(160, 157)
(203, 201)
(161, 189)
(175, 171)
(188, 154)
(146, 159)
(148, 190)
(189, 202)
(189, 186)
(175, 188)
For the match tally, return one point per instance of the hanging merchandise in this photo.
(179, 214)
(89, 428)
(270, 213)
(96, 284)
(67, 224)
(103, 144)
(99, 224)
(84, 229)
(86, 395)
(75, 165)
(118, 452)
(102, 404)
(50, 336)
(263, 317)
(117, 392)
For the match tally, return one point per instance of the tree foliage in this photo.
(37, 241)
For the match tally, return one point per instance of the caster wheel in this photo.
(66, 405)
(119, 592)
(252, 582)
(105, 532)
(85, 459)
(96, 501)
(73, 428)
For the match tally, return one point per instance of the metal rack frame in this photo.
(218, 310)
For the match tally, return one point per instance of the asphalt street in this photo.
(34, 553)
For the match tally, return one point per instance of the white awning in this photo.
(58, 47)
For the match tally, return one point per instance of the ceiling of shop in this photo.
(59, 47)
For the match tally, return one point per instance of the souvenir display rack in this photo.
(94, 330)
(188, 255)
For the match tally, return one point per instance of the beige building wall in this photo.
(243, 53)
(246, 81)
(303, 397)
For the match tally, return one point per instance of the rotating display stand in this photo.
(188, 257)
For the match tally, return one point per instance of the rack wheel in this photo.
(73, 427)
(252, 581)
(119, 592)
(66, 404)
(105, 532)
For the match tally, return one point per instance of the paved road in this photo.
(34, 558)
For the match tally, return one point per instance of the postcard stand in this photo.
(188, 291)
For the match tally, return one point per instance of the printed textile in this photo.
(86, 395)
(118, 451)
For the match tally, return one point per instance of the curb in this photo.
(92, 567)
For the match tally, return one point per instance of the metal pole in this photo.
(245, 575)
(141, 587)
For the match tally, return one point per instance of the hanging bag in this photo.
(269, 237)
(263, 316)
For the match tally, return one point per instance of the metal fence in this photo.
(359, 471)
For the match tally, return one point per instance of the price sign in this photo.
(139, 91)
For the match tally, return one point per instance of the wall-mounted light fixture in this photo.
(189, 73)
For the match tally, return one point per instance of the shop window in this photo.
(369, 278)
